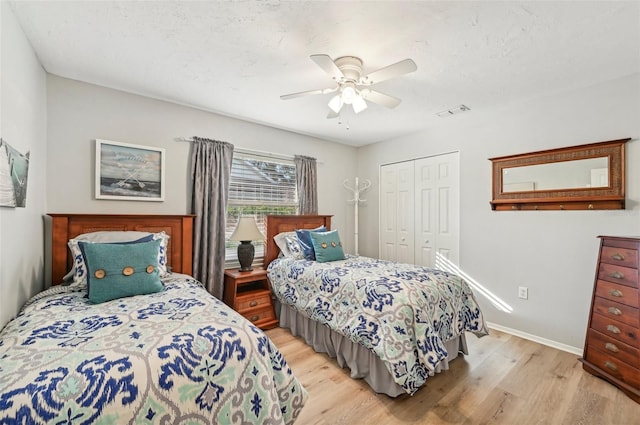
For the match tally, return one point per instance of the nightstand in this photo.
(249, 293)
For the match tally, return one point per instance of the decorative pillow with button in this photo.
(78, 273)
(121, 270)
(327, 246)
(304, 239)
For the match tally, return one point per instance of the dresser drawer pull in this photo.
(610, 365)
(613, 329)
(617, 275)
(611, 347)
(615, 311)
(253, 303)
(254, 318)
(615, 293)
(617, 257)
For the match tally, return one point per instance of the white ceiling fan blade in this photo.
(328, 65)
(380, 98)
(308, 93)
(399, 68)
(332, 114)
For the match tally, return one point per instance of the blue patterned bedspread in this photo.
(179, 356)
(403, 313)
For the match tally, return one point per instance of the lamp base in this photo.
(246, 251)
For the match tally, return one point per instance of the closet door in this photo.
(437, 210)
(397, 212)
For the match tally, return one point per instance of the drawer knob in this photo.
(615, 293)
(610, 365)
(254, 318)
(615, 311)
(613, 329)
(617, 257)
(611, 347)
(253, 303)
(617, 275)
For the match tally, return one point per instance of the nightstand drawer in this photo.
(260, 315)
(252, 299)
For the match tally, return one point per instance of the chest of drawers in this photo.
(612, 345)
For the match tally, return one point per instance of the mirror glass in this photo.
(575, 174)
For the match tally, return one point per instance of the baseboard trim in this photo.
(535, 338)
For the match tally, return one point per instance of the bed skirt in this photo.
(362, 362)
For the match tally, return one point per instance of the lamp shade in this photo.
(247, 230)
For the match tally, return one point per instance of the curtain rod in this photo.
(251, 151)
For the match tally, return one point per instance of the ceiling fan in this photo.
(352, 87)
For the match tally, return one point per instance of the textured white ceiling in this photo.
(237, 58)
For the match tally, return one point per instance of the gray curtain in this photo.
(210, 174)
(307, 181)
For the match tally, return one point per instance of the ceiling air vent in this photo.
(453, 111)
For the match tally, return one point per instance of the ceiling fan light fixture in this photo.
(336, 103)
(359, 104)
(349, 93)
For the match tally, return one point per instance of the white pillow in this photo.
(281, 242)
(79, 267)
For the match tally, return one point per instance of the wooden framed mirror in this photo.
(584, 177)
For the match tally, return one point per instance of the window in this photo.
(260, 185)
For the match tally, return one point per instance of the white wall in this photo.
(79, 113)
(23, 126)
(553, 253)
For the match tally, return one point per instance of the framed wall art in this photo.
(129, 172)
(14, 172)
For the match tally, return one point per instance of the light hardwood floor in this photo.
(504, 380)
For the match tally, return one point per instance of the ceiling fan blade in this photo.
(308, 93)
(380, 98)
(328, 65)
(332, 114)
(399, 68)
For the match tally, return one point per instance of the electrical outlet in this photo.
(523, 292)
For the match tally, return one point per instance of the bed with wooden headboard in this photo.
(128, 358)
(352, 308)
(67, 226)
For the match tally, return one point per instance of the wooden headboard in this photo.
(286, 223)
(68, 226)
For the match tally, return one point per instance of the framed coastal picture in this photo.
(129, 172)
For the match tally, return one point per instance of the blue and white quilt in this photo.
(179, 356)
(401, 312)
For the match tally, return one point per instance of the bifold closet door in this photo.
(420, 211)
(437, 210)
(397, 212)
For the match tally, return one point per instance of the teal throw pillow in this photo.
(121, 270)
(327, 246)
(304, 239)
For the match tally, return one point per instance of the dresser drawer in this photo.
(618, 274)
(614, 348)
(617, 311)
(619, 256)
(616, 330)
(619, 293)
(614, 367)
(259, 315)
(252, 299)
